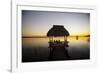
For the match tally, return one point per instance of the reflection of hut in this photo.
(57, 31)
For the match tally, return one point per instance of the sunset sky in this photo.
(37, 23)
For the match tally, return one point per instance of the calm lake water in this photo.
(37, 49)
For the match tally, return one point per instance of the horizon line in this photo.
(58, 36)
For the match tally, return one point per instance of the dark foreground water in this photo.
(37, 49)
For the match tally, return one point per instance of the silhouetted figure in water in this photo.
(77, 37)
(58, 49)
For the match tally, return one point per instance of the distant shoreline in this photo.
(47, 37)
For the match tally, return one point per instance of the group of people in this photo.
(58, 43)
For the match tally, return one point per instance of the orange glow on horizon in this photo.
(44, 34)
(79, 34)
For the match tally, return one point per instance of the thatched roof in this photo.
(57, 30)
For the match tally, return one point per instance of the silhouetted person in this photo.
(77, 37)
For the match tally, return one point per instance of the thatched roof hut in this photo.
(57, 30)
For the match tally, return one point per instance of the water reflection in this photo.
(37, 49)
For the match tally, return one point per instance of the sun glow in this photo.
(44, 34)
